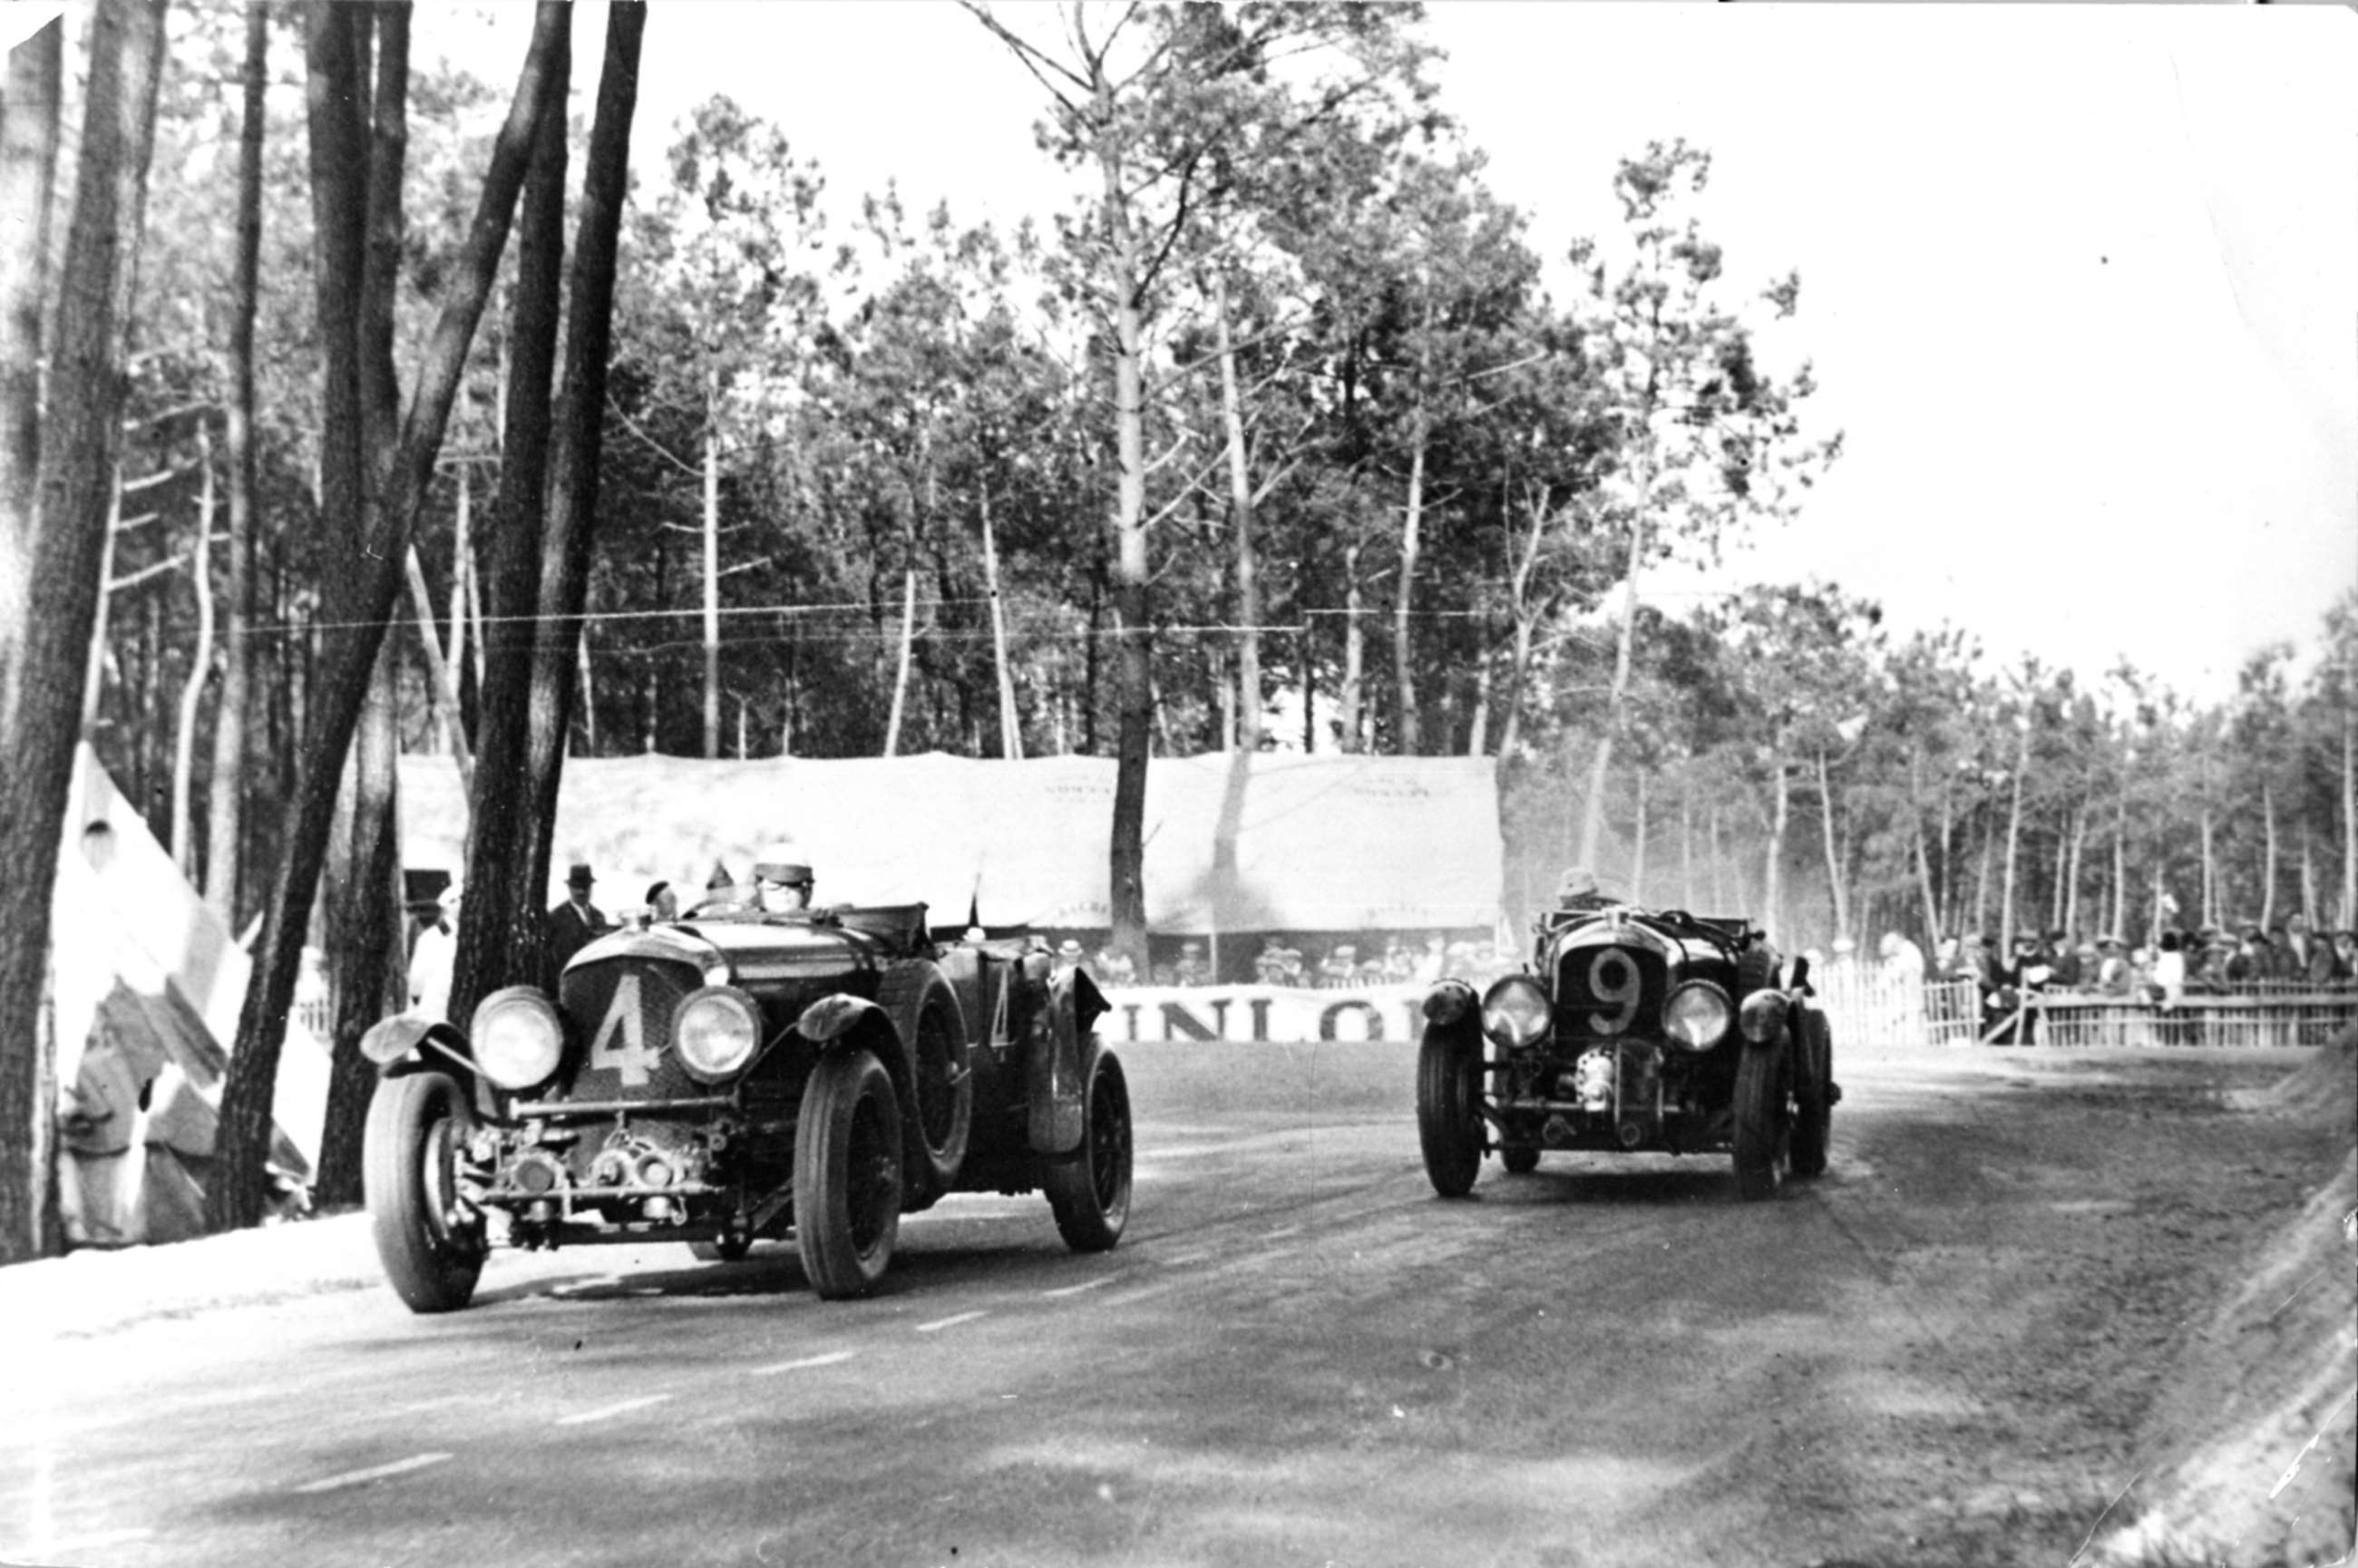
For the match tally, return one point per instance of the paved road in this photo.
(1297, 1354)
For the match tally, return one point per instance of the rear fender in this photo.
(411, 1042)
(1057, 1075)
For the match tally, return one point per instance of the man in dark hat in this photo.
(573, 925)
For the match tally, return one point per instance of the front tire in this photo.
(1813, 1095)
(1088, 1190)
(847, 1175)
(1762, 1128)
(1449, 1108)
(432, 1249)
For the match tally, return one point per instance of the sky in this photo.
(2079, 284)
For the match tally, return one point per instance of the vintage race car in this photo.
(739, 1076)
(1631, 1031)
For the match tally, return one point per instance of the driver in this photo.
(1578, 889)
(782, 881)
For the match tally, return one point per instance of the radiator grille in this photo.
(1610, 993)
(621, 1011)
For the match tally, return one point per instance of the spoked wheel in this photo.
(429, 1238)
(1088, 1190)
(1813, 1095)
(925, 1012)
(1449, 1108)
(847, 1175)
(1762, 1126)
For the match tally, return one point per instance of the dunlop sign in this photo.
(1263, 1013)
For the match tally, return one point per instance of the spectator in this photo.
(1115, 968)
(1948, 960)
(663, 903)
(1577, 890)
(2345, 955)
(2170, 971)
(1191, 971)
(573, 925)
(2311, 956)
(435, 956)
(1068, 956)
(2113, 977)
(1434, 963)
(1341, 966)
(2251, 959)
(2062, 960)
(1902, 959)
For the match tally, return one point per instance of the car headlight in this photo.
(1515, 1013)
(716, 1030)
(1697, 1015)
(517, 1037)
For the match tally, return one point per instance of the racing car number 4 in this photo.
(621, 1041)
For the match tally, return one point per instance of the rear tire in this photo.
(1762, 1128)
(1449, 1108)
(1813, 1095)
(925, 1011)
(847, 1175)
(1088, 1190)
(432, 1253)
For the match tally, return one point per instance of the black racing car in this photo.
(739, 1076)
(1631, 1031)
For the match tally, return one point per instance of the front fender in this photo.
(1763, 1017)
(411, 1041)
(1057, 1075)
(836, 1014)
(1451, 1001)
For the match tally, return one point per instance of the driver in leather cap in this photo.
(782, 881)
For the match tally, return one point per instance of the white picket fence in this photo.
(1869, 1007)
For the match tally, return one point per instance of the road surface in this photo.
(1941, 1352)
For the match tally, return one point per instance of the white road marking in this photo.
(1184, 1260)
(1281, 1231)
(833, 1357)
(583, 1418)
(1101, 1281)
(373, 1472)
(949, 1321)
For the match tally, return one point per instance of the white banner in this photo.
(1275, 1014)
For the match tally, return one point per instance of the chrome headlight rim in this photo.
(516, 1038)
(687, 1025)
(1697, 1032)
(1515, 1013)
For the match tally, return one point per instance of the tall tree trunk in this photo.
(2268, 856)
(41, 669)
(1351, 700)
(1410, 740)
(200, 665)
(1478, 728)
(1637, 845)
(902, 655)
(1592, 821)
(580, 422)
(1772, 914)
(225, 834)
(332, 705)
(442, 686)
(499, 931)
(1981, 887)
(361, 230)
(1718, 869)
(2349, 913)
(1924, 856)
(2079, 853)
(712, 567)
(1011, 720)
(1134, 669)
(2013, 839)
(1686, 843)
(1241, 511)
(57, 541)
(1833, 857)
(2210, 881)
(2119, 924)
